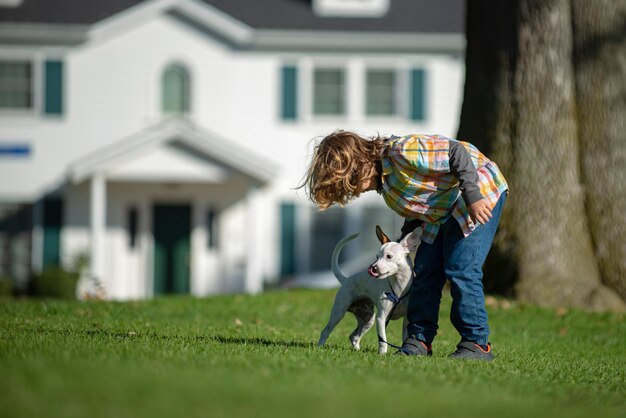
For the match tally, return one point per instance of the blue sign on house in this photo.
(14, 150)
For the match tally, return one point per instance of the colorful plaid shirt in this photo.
(417, 182)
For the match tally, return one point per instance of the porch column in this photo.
(254, 241)
(98, 202)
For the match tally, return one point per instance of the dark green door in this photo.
(171, 225)
(52, 223)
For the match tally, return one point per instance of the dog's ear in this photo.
(412, 240)
(381, 235)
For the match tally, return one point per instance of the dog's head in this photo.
(393, 254)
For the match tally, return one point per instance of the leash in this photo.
(396, 301)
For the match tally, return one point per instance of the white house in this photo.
(163, 139)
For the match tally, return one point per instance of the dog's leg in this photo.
(364, 325)
(336, 314)
(380, 327)
(381, 316)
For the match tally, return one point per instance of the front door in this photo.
(171, 225)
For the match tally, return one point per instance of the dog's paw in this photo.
(356, 343)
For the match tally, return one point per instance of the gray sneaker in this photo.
(414, 347)
(471, 351)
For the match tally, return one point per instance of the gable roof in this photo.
(64, 11)
(182, 132)
(417, 16)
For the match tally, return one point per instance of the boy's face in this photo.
(366, 186)
(362, 187)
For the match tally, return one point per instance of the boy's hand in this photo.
(480, 211)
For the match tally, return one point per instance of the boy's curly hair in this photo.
(341, 161)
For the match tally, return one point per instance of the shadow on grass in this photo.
(259, 341)
(222, 339)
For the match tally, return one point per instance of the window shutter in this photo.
(133, 226)
(211, 226)
(418, 94)
(289, 93)
(287, 239)
(53, 90)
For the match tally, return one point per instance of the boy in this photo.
(450, 190)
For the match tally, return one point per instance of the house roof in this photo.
(417, 16)
(183, 133)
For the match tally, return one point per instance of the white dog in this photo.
(386, 287)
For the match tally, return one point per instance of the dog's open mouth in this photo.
(372, 272)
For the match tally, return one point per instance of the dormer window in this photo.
(175, 92)
(350, 8)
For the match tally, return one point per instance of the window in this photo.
(175, 92)
(387, 219)
(16, 85)
(328, 92)
(380, 93)
(351, 8)
(326, 231)
(386, 91)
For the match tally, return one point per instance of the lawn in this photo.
(237, 356)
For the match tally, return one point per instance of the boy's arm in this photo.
(463, 169)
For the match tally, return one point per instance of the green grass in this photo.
(256, 356)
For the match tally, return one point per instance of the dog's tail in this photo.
(335, 258)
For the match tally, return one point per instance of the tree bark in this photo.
(556, 259)
(520, 100)
(600, 64)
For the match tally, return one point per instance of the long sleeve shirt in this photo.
(428, 178)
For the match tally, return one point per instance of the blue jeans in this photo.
(457, 259)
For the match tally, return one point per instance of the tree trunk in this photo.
(487, 117)
(557, 265)
(519, 98)
(600, 64)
